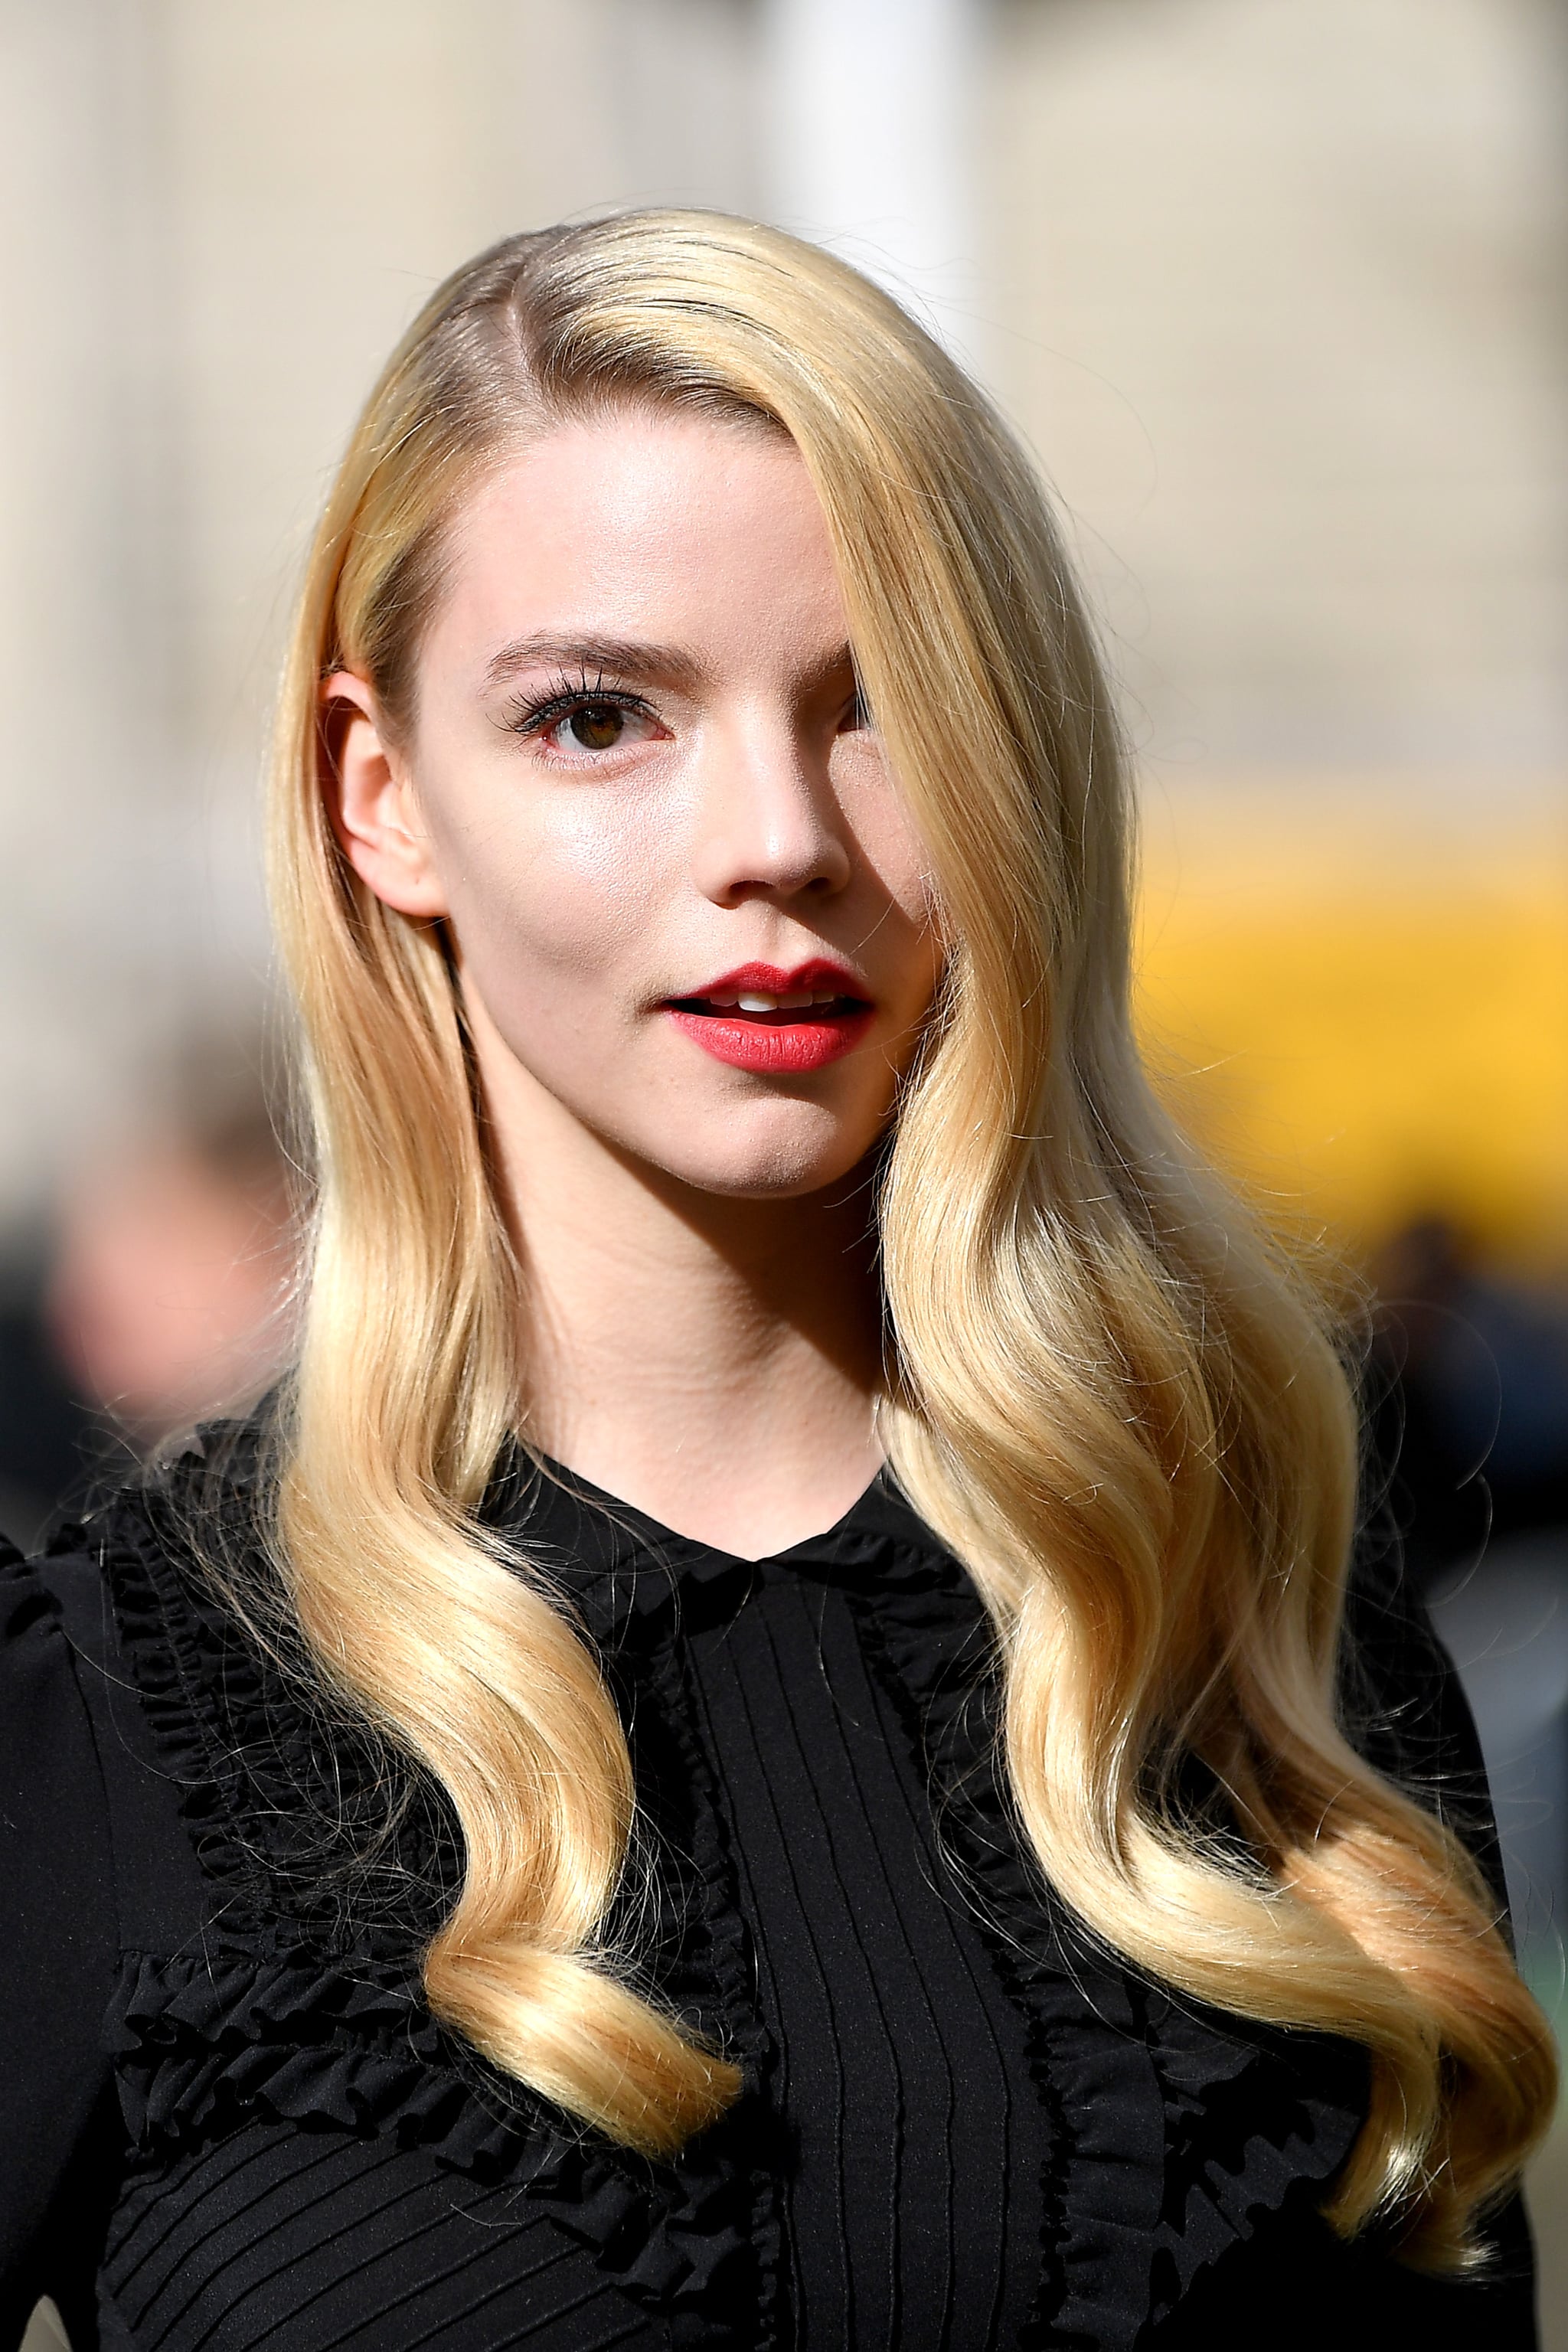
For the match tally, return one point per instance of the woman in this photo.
(488, 1869)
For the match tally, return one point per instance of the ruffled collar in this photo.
(628, 1576)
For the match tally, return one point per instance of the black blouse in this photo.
(229, 2120)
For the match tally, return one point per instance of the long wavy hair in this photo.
(1109, 1393)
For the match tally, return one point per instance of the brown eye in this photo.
(591, 725)
(596, 726)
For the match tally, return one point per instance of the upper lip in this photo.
(819, 974)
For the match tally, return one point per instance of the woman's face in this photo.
(689, 910)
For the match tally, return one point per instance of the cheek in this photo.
(895, 856)
(553, 900)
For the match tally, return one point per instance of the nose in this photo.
(770, 825)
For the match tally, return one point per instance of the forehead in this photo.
(644, 523)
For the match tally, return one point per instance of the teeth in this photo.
(767, 1000)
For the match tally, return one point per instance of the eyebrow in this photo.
(624, 656)
(627, 657)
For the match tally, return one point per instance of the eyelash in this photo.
(532, 715)
(536, 714)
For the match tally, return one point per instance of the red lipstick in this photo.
(782, 1024)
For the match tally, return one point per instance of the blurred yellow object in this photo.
(1356, 989)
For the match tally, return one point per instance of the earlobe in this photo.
(370, 799)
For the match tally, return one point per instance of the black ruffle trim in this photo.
(1247, 2119)
(199, 2040)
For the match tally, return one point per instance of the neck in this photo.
(714, 1361)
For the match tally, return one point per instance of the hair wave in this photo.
(1114, 1397)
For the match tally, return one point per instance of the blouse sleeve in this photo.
(58, 1938)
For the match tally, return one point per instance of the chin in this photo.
(771, 1168)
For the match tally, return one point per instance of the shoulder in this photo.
(36, 1666)
(114, 1646)
(180, 1560)
(53, 1617)
(200, 1509)
(56, 1864)
(303, 1822)
(93, 1796)
(134, 1580)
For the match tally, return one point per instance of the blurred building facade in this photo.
(1272, 290)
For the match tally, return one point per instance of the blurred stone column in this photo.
(867, 142)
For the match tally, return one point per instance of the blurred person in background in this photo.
(168, 1297)
(757, 1748)
(1470, 1393)
(1471, 1400)
(160, 1295)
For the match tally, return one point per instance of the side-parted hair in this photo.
(1109, 1393)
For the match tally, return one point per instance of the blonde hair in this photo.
(1113, 1398)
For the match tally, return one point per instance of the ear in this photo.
(370, 799)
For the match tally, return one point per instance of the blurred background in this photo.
(1274, 288)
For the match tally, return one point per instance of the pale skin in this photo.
(704, 1331)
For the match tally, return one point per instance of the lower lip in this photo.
(779, 1046)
